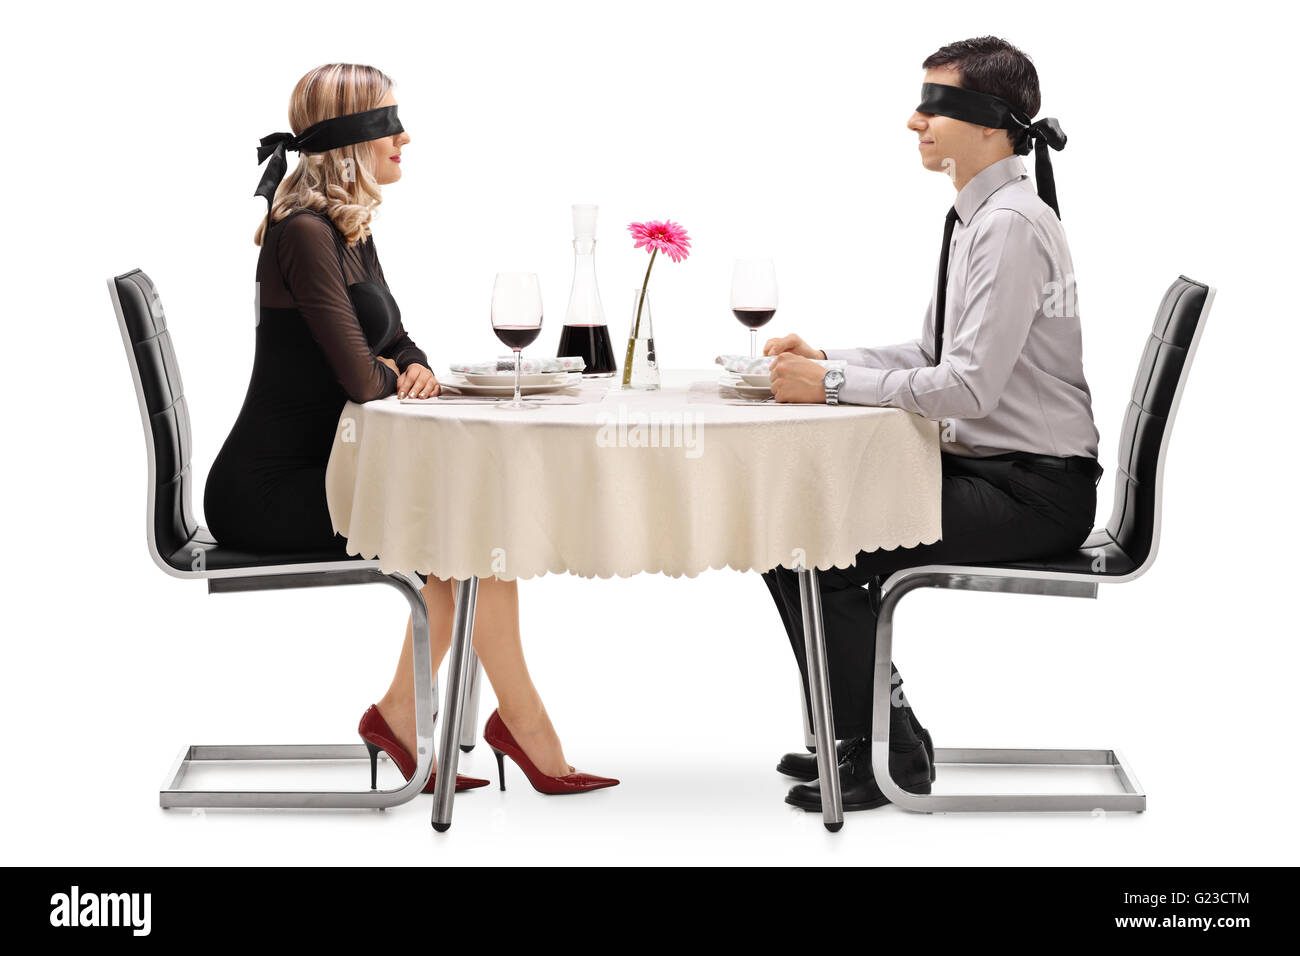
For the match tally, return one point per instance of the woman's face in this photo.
(387, 153)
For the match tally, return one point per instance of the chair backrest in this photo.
(1166, 361)
(164, 414)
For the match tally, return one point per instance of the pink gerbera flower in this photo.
(655, 237)
(666, 237)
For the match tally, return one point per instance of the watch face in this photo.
(834, 378)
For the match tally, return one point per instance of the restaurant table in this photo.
(676, 481)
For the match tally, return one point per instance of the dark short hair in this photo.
(992, 65)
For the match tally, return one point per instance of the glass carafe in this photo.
(585, 333)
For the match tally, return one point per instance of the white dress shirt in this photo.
(1011, 377)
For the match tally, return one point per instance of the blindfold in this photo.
(319, 138)
(993, 112)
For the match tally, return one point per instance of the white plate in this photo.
(468, 388)
(508, 378)
(758, 381)
(750, 391)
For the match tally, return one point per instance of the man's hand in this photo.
(792, 343)
(797, 379)
(417, 382)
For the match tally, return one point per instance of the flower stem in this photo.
(636, 327)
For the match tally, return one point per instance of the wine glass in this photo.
(753, 296)
(517, 319)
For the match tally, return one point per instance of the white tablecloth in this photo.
(672, 481)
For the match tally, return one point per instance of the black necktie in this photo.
(941, 295)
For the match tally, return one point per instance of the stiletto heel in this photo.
(376, 733)
(501, 766)
(374, 764)
(497, 736)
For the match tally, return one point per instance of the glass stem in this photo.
(519, 360)
(753, 343)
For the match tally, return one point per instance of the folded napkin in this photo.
(744, 365)
(530, 366)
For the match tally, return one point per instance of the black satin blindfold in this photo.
(983, 109)
(318, 138)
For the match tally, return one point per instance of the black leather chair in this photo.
(184, 549)
(1121, 551)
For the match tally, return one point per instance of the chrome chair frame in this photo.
(173, 794)
(1009, 580)
(1005, 581)
(308, 575)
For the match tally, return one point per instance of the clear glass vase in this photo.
(640, 370)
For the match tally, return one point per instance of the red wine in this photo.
(754, 318)
(517, 337)
(590, 343)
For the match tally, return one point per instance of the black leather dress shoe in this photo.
(910, 769)
(804, 766)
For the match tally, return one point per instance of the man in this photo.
(998, 364)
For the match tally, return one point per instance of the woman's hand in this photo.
(792, 343)
(417, 382)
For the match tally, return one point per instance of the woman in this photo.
(323, 304)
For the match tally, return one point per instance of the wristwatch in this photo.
(832, 381)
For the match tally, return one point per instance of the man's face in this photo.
(946, 144)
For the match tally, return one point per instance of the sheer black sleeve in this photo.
(405, 352)
(401, 350)
(309, 264)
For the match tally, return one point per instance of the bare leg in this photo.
(397, 706)
(497, 643)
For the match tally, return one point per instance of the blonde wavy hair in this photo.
(339, 182)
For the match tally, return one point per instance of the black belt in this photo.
(1080, 463)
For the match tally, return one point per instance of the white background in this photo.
(768, 128)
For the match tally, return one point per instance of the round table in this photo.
(677, 480)
(673, 481)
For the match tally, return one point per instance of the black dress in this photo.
(322, 305)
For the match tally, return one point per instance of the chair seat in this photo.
(1100, 556)
(220, 557)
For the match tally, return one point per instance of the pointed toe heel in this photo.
(373, 750)
(501, 766)
(377, 735)
(503, 744)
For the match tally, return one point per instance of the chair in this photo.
(184, 549)
(1121, 551)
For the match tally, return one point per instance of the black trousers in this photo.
(1006, 508)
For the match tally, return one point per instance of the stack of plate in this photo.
(756, 387)
(503, 383)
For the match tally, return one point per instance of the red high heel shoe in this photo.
(374, 730)
(497, 736)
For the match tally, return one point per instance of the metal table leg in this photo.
(469, 736)
(809, 739)
(458, 671)
(819, 682)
